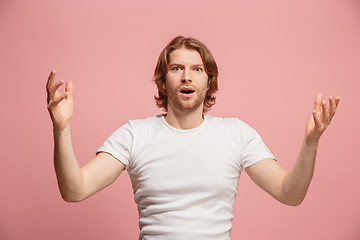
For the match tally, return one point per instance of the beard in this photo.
(186, 105)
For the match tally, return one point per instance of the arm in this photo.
(75, 183)
(290, 187)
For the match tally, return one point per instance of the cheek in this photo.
(167, 82)
(169, 86)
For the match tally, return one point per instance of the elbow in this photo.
(71, 198)
(292, 201)
(72, 195)
(293, 197)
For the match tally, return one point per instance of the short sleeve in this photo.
(119, 144)
(253, 149)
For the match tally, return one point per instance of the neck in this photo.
(184, 121)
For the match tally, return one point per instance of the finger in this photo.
(332, 108)
(318, 102)
(52, 93)
(49, 83)
(337, 100)
(56, 86)
(325, 112)
(69, 88)
(59, 99)
(335, 103)
(50, 80)
(317, 118)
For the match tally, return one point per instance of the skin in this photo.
(75, 183)
(185, 69)
(184, 112)
(290, 187)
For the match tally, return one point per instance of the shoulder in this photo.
(238, 128)
(228, 122)
(135, 125)
(145, 121)
(145, 128)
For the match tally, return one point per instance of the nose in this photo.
(186, 76)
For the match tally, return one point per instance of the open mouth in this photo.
(187, 90)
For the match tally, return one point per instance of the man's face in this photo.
(186, 81)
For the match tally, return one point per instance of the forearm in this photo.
(67, 169)
(297, 181)
(291, 187)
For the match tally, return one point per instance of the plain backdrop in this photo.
(273, 58)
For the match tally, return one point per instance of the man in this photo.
(184, 165)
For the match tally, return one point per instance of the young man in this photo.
(184, 165)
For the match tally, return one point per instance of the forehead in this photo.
(184, 55)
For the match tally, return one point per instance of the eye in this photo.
(198, 69)
(176, 68)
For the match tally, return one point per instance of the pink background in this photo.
(273, 56)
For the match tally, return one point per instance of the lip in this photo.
(187, 95)
(187, 89)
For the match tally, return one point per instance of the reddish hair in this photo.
(209, 65)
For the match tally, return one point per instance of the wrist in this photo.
(58, 130)
(312, 142)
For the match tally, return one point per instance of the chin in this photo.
(189, 108)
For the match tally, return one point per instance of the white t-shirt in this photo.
(185, 181)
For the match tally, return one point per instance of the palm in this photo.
(64, 110)
(321, 118)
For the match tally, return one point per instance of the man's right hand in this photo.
(60, 106)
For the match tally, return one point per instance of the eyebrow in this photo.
(178, 64)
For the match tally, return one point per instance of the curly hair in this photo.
(162, 69)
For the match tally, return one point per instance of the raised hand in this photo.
(59, 105)
(320, 119)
